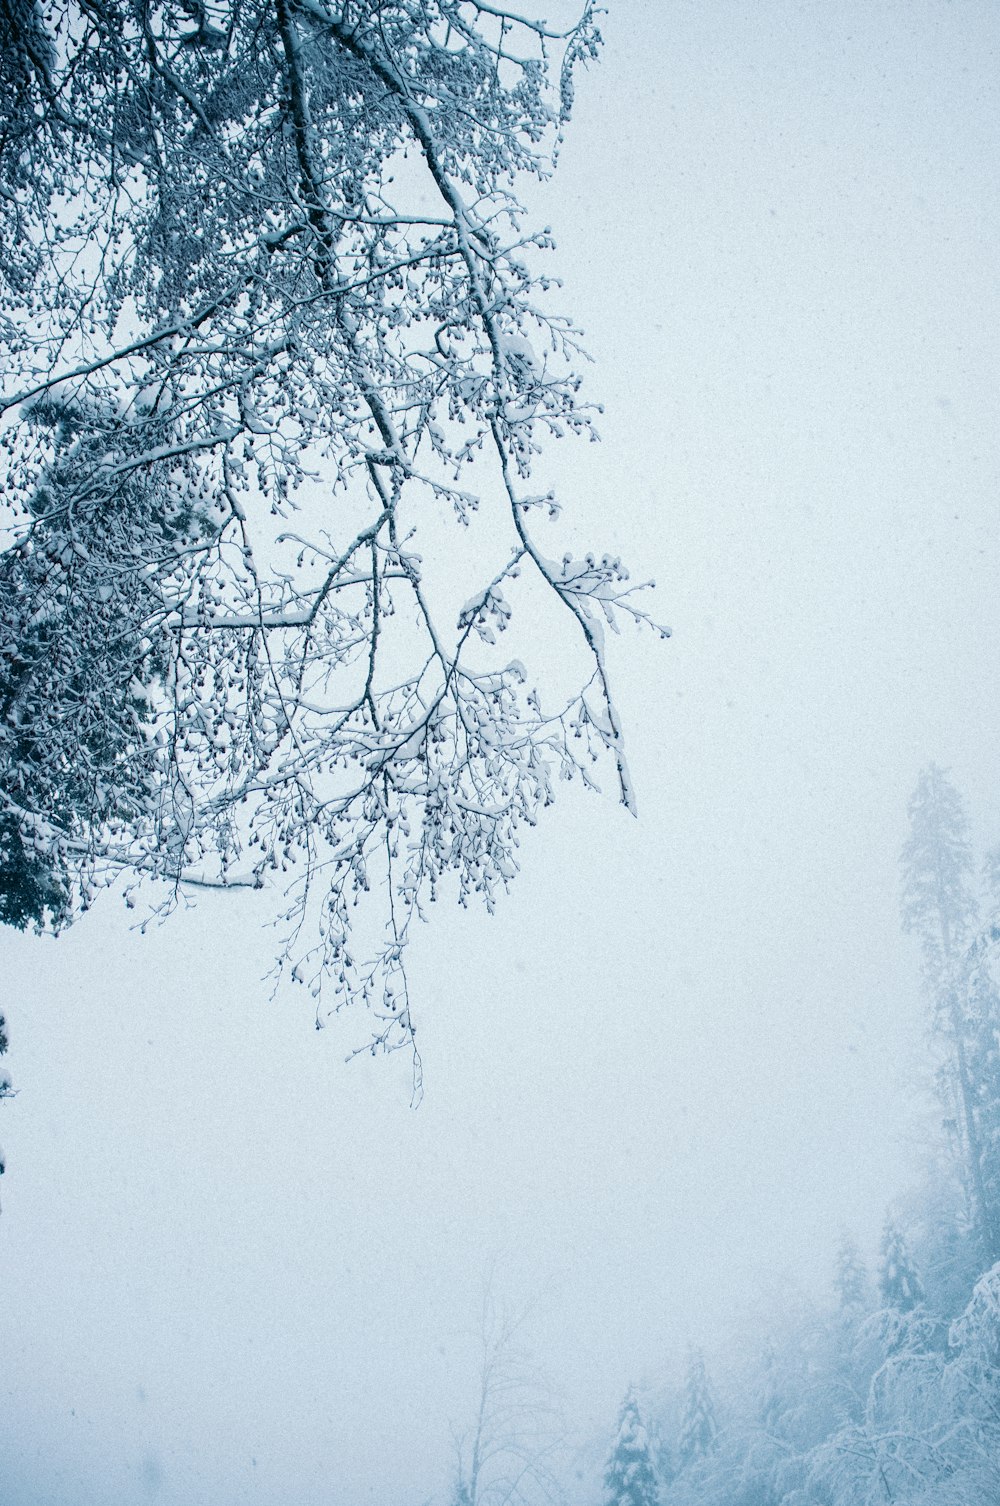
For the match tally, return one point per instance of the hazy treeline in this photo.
(891, 1392)
(888, 1391)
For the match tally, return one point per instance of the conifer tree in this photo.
(938, 897)
(939, 907)
(663, 1459)
(699, 1426)
(851, 1278)
(899, 1284)
(630, 1476)
(983, 1053)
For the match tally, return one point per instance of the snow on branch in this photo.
(270, 267)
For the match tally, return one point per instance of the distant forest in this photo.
(889, 1390)
(890, 1393)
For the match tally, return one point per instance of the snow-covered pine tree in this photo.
(630, 1477)
(850, 1278)
(899, 1284)
(982, 1011)
(938, 896)
(663, 1459)
(939, 907)
(699, 1425)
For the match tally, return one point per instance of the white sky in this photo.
(680, 1057)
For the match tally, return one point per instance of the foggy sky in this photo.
(685, 1051)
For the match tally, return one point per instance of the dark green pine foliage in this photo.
(699, 1426)
(899, 1284)
(630, 1477)
(32, 890)
(81, 637)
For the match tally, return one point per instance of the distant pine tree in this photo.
(699, 1426)
(982, 1013)
(663, 1459)
(938, 891)
(898, 1282)
(630, 1476)
(851, 1278)
(939, 907)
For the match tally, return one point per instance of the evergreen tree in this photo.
(983, 1056)
(699, 1426)
(938, 899)
(898, 1283)
(630, 1476)
(939, 907)
(663, 1459)
(851, 1278)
